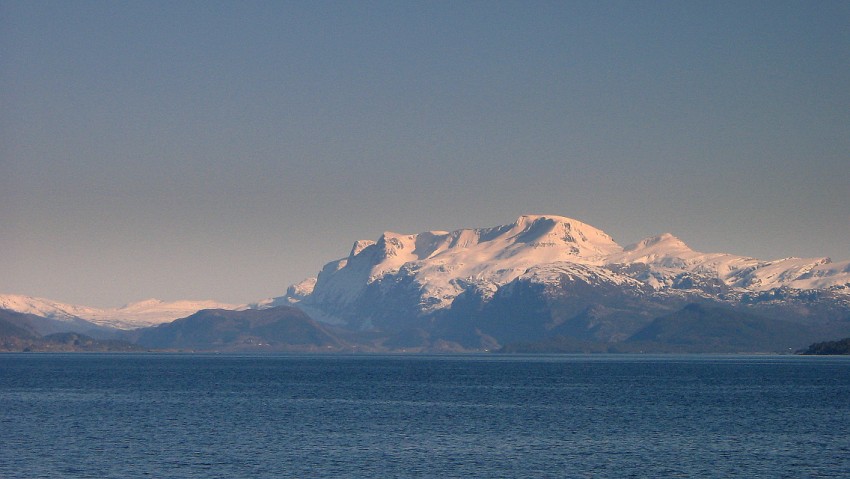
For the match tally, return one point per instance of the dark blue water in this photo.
(188, 416)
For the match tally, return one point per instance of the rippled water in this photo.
(192, 416)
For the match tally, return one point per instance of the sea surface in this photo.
(232, 416)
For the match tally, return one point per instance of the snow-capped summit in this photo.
(666, 253)
(555, 230)
(664, 242)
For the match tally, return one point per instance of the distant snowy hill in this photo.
(134, 315)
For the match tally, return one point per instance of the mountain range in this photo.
(145, 313)
(540, 283)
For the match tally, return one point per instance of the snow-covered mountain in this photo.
(441, 265)
(444, 264)
(134, 315)
(419, 274)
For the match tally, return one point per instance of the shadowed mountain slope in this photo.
(281, 328)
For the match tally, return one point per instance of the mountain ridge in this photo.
(444, 262)
(142, 313)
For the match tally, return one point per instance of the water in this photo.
(197, 416)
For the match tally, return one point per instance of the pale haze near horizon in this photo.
(206, 150)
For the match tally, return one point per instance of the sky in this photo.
(224, 150)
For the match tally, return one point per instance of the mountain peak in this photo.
(665, 241)
(537, 217)
(143, 304)
(663, 250)
(553, 230)
(551, 221)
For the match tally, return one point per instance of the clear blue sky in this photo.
(224, 150)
